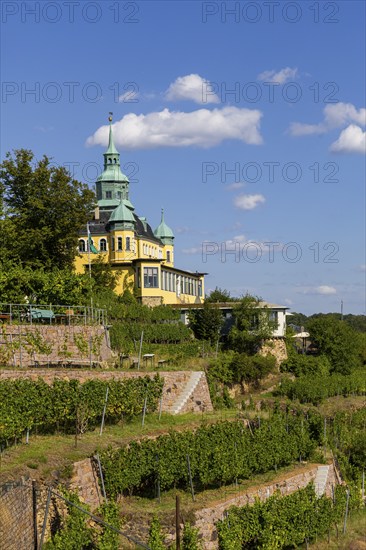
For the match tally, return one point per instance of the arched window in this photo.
(103, 245)
(119, 243)
(128, 243)
(82, 245)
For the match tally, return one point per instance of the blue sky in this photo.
(244, 120)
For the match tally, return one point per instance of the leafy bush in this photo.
(314, 389)
(302, 365)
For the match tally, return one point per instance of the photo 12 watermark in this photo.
(269, 91)
(269, 172)
(269, 252)
(70, 12)
(68, 92)
(88, 172)
(270, 12)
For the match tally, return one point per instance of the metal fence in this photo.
(51, 314)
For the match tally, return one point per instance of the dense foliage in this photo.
(42, 211)
(284, 521)
(218, 454)
(76, 533)
(252, 325)
(207, 322)
(236, 368)
(26, 404)
(315, 388)
(337, 341)
(19, 285)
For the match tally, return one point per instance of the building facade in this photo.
(142, 259)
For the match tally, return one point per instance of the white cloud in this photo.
(248, 202)
(336, 115)
(192, 87)
(339, 114)
(281, 77)
(324, 290)
(234, 186)
(351, 140)
(129, 97)
(202, 128)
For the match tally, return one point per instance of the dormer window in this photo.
(108, 194)
(168, 256)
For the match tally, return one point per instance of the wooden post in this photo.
(140, 349)
(190, 477)
(104, 409)
(45, 518)
(34, 506)
(346, 514)
(177, 522)
(144, 411)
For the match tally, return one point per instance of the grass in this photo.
(353, 539)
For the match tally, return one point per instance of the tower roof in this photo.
(122, 214)
(111, 147)
(163, 230)
(112, 166)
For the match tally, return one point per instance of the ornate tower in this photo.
(112, 185)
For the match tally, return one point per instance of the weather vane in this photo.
(110, 118)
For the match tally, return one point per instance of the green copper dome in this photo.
(122, 214)
(163, 230)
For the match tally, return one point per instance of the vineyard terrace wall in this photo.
(28, 345)
(206, 518)
(175, 383)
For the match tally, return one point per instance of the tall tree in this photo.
(42, 211)
(252, 325)
(337, 341)
(207, 322)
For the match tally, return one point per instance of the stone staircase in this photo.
(320, 480)
(188, 390)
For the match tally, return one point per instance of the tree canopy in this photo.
(252, 325)
(337, 341)
(42, 209)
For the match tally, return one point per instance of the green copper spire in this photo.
(111, 185)
(111, 147)
(163, 231)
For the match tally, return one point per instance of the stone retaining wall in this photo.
(174, 383)
(206, 518)
(23, 345)
(276, 347)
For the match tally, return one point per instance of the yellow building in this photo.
(143, 259)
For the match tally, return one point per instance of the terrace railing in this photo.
(21, 314)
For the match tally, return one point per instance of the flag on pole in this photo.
(91, 247)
